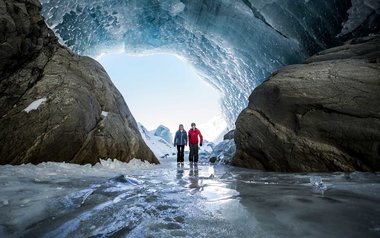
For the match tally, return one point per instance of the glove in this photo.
(200, 144)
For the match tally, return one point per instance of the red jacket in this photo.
(193, 136)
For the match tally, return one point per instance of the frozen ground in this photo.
(113, 199)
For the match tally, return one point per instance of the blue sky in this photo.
(162, 89)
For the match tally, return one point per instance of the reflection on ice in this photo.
(143, 200)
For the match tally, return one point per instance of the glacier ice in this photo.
(234, 45)
(318, 185)
(138, 199)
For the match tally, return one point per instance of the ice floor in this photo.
(113, 199)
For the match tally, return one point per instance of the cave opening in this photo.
(164, 89)
(233, 45)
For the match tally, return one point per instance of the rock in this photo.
(164, 133)
(81, 117)
(363, 20)
(229, 136)
(320, 116)
(213, 159)
(224, 151)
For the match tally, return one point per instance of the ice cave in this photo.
(234, 45)
(299, 83)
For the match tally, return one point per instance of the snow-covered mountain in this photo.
(164, 133)
(158, 145)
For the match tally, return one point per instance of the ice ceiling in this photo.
(233, 44)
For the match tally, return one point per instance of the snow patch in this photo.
(34, 105)
(104, 114)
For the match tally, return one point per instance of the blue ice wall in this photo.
(233, 44)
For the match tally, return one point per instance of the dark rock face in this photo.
(83, 117)
(229, 136)
(320, 116)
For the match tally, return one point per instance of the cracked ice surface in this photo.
(143, 200)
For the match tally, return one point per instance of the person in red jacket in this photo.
(193, 135)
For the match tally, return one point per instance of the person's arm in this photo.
(176, 139)
(201, 138)
(185, 138)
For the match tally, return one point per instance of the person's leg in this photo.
(178, 153)
(191, 154)
(182, 149)
(196, 153)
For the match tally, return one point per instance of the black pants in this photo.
(180, 153)
(193, 156)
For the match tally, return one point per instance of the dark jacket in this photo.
(180, 138)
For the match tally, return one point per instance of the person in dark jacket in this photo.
(180, 140)
(193, 134)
